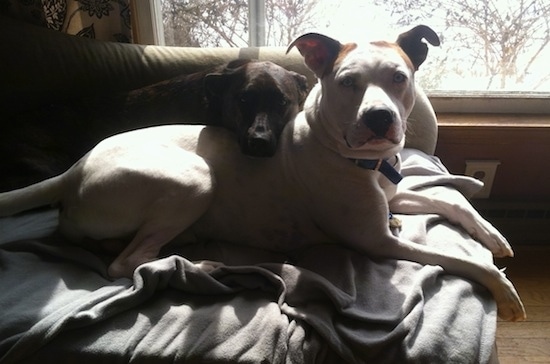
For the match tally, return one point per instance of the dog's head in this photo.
(256, 100)
(365, 92)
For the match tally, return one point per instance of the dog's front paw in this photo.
(117, 270)
(509, 305)
(492, 239)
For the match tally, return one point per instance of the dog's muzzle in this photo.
(260, 139)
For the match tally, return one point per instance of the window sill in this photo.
(509, 103)
(453, 120)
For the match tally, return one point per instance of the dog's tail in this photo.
(43, 193)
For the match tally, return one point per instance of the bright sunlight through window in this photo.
(487, 45)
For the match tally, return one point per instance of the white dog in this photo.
(324, 183)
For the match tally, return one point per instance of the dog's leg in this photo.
(167, 221)
(458, 210)
(176, 207)
(157, 232)
(375, 239)
(509, 304)
(144, 248)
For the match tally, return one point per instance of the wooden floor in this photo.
(529, 341)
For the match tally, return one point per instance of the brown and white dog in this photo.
(320, 186)
(254, 99)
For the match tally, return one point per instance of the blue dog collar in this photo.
(382, 166)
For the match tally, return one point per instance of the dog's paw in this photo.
(117, 270)
(509, 305)
(125, 268)
(492, 239)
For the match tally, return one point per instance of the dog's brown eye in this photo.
(399, 77)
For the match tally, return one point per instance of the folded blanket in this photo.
(325, 304)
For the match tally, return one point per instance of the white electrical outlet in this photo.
(483, 170)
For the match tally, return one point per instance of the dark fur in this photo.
(44, 142)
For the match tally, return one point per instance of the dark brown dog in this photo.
(253, 99)
(256, 101)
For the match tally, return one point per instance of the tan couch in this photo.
(41, 66)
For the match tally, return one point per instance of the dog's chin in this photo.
(259, 147)
(373, 142)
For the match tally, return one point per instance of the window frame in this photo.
(147, 27)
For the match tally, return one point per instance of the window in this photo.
(494, 49)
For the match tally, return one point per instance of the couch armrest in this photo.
(39, 65)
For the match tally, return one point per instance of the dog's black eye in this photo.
(347, 82)
(245, 98)
(399, 77)
(283, 101)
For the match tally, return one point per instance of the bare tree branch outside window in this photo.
(487, 44)
(499, 41)
(214, 23)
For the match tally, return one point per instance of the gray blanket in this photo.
(325, 304)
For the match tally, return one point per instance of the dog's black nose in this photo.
(378, 120)
(259, 139)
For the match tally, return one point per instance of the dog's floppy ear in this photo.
(239, 62)
(214, 84)
(412, 45)
(302, 86)
(319, 52)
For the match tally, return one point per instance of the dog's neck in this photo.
(384, 166)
